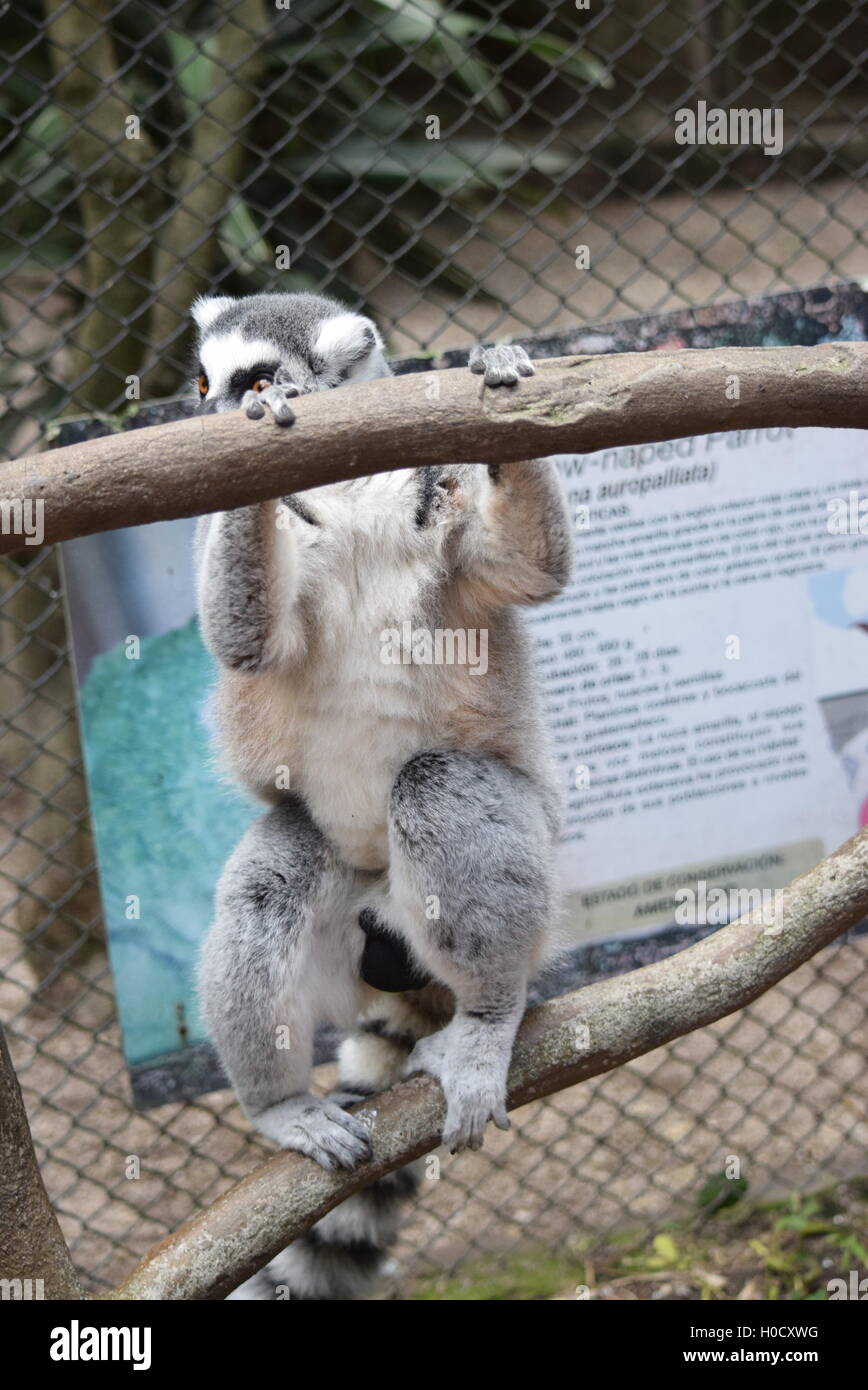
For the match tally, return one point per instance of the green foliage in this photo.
(721, 1191)
(194, 68)
(786, 1250)
(528, 1277)
(342, 118)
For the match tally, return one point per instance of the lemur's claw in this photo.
(500, 366)
(277, 400)
(468, 1114)
(252, 405)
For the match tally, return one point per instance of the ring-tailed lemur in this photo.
(413, 848)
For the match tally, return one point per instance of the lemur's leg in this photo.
(341, 1256)
(471, 886)
(282, 955)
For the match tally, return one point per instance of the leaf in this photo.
(781, 1264)
(435, 40)
(195, 68)
(666, 1248)
(719, 1192)
(579, 64)
(802, 1223)
(36, 147)
(457, 167)
(242, 241)
(478, 78)
(854, 1246)
(430, 12)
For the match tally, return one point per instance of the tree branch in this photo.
(572, 404)
(560, 1043)
(31, 1241)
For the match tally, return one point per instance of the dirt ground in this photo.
(735, 1250)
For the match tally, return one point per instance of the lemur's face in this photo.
(300, 340)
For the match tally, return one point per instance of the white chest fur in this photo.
(335, 717)
(340, 721)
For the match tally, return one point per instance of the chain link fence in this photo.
(441, 166)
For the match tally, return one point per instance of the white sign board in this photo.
(706, 671)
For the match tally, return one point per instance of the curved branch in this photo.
(31, 1241)
(559, 1044)
(572, 404)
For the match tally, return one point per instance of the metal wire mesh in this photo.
(438, 165)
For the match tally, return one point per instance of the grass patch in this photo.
(731, 1249)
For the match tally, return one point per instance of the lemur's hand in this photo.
(276, 397)
(500, 366)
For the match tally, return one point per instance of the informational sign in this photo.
(706, 672)
(705, 676)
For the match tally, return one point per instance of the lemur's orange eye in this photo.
(203, 384)
(260, 383)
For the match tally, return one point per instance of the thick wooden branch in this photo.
(573, 404)
(560, 1043)
(31, 1242)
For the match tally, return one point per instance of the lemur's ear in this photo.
(207, 308)
(346, 338)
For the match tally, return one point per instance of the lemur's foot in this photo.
(474, 1094)
(277, 399)
(500, 366)
(427, 1055)
(317, 1127)
(471, 1101)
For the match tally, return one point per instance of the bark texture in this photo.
(572, 404)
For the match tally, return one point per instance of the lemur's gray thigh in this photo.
(281, 956)
(472, 887)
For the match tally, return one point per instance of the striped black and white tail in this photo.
(342, 1256)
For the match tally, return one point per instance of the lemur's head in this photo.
(302, 340)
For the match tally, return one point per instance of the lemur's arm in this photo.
(516, 542)
(246, 569)
(247, 581)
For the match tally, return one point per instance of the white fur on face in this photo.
(223, 354)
